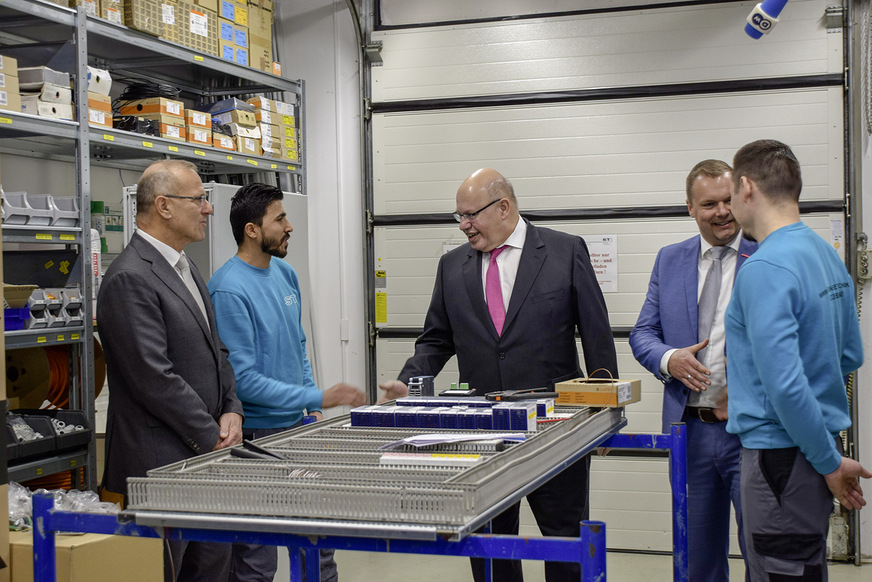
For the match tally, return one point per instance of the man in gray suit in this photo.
(171, 388)
(508, 305)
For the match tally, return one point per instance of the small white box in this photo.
(99, 81)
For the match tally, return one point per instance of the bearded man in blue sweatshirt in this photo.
(792, 338)
(257, 310)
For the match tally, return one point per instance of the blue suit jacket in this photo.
(669, 316)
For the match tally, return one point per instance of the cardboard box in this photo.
(112, 10)
(240, 16)
(242, 118)
(224, 142)
(31, 105)
(99, 110)
(241, 56)
(162, 105)
(52, 94)
(247, 145)
(92, 558)
(10, 100)
(261, 102)
(99, 81)
(225, 30)
(143, 15)
(227, 50)
(227, 9)
(283, 108)
(8, 66)
(260, 33)
(289, 132)
(240, 36)
(198, 28)
(239, 130)
(289, 154)
(171, 131)
(33, 78)
(198, 135)
(198, 119)
(169, 15)
(599, 392)
(208, 4)
(267, 130)
(92, 7)
(265, 4)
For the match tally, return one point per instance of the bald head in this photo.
(489, 208)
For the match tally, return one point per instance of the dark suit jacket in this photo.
(555, 292)
(169, 378)
(669, 317)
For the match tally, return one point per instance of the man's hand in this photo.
(393, 389)
(342, 393)
(844, 483)
(720, 410)
(684, 366)
(317, 415)
(230, 431)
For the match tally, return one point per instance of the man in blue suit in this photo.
(667, 340)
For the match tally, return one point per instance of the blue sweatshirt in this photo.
(259, 320)
(792, 337)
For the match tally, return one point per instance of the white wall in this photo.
(318, 45)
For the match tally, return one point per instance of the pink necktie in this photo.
(493, 291)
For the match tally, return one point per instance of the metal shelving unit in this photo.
(41, 32)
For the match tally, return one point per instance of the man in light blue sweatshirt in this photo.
(792, 338)
(257, 311)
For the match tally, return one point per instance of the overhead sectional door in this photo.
(596, 117)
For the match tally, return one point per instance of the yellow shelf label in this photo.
(39, 471)
(273, 166)
(68, 237)
(74, 463)
(41, 340)
(199, 58)
(200, 153)
(230, 158)
(74, 336)
(41, 236)
(173, 148)
(292, 168)
(61, 338)
(147, 144)
(5, 120)
(252, 162)
(108, 137)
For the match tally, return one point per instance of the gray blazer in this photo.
(555, 294)
(169, 377)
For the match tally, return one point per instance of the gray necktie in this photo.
(708, 300)
(185, 271)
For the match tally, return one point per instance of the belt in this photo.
(701, 413)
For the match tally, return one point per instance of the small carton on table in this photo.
(598, 392)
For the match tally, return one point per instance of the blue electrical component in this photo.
(764, 17)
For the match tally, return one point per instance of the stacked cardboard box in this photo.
(260, 26)
(99, 102)
(237, 117)
(198, 126)
(112, 10)
(144, 15)
(270, 131)
(10, 100)
(197, 27)
(45, 92)
(169, 113)
(288, 125)
(170, 20)
(92, 7)
(232, 42)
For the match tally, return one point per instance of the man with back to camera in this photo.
(508, 304)
(259, 317)
(679, 337)
(792, 338)
(171, 388)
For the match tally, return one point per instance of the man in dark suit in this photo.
(666, 340)
(508, 305)
(171, 389)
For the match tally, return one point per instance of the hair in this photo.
(500, 187)
(772, 166)
(249, 204)
(710, 168)
(159, 179)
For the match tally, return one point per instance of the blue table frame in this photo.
(589, 549)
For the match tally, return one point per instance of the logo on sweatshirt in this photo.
(291, 299)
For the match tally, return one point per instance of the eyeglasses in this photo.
(201, 200)
(470, 216)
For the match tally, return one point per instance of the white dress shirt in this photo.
(507, 261)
